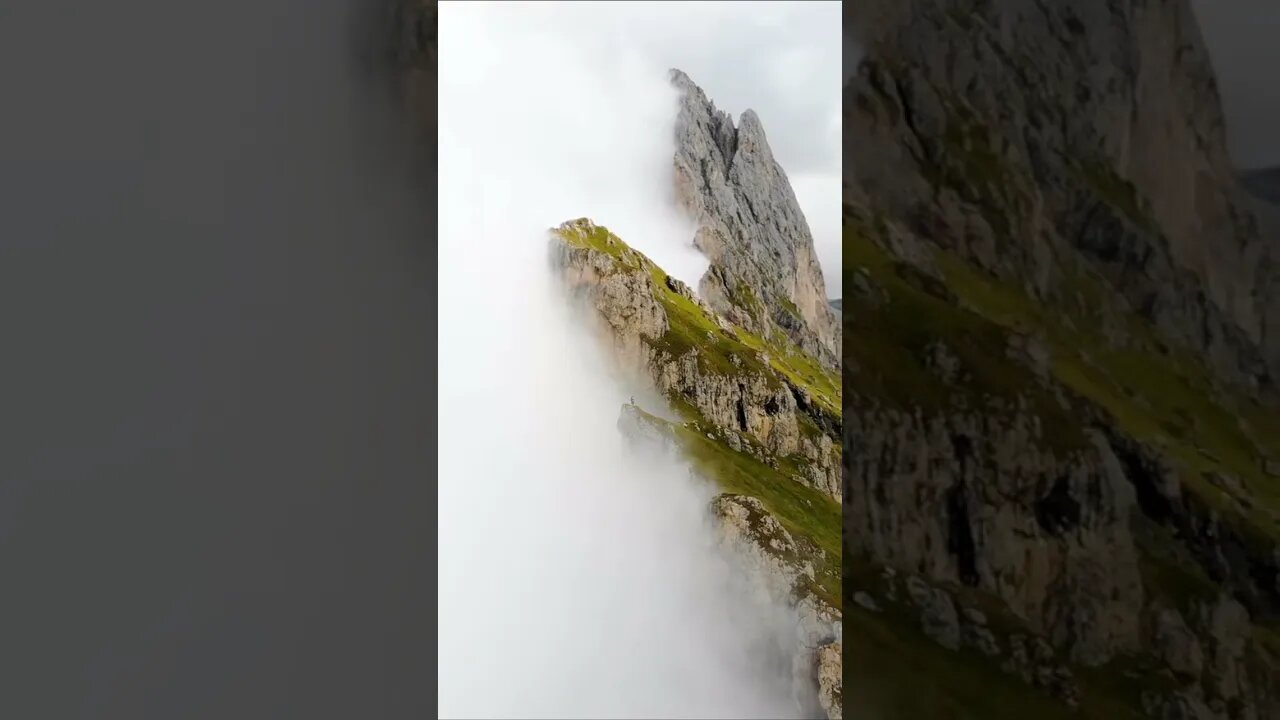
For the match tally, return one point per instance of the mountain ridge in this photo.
(747, 364)
(759, 420)
(1059, 403)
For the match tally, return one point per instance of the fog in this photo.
(578, 574)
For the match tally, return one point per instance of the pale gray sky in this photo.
(1242, 38)
(781, 59)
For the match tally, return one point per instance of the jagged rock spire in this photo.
(764, 273)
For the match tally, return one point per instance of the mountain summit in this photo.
(764, 274)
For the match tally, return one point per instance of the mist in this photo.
(578, 573)
(781, 59)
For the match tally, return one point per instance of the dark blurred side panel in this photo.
(217, 384)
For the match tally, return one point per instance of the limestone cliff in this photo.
(1027, 133)
(759, 419)
(770, 399)
(764, 274)
(1060, 438)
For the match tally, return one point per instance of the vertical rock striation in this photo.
(764, 273)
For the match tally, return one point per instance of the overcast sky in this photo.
(1242, 37)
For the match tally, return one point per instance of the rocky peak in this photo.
(1071, 128)
(764, 273)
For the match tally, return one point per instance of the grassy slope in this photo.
(1155, 393)
(806, 513)
(692, 327)
(1160, 396)
(893, 672)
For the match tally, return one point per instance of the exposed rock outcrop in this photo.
(777, 565)
(764, 273)
(667, 337)
(831, 679)
(1070, 434)
(975, 501)
(1014, 132)
(1023, 484)
(758, 409)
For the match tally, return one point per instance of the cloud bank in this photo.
(578, 577)
(782, 59)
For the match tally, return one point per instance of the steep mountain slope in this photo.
(771, 398)
(749, 373)
(761, 421)
(1061, 434)
(1083, 128)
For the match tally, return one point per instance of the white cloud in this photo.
(781, 59)
(577, 578)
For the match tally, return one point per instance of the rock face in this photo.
(764, 274)
(976, 502)
(776, 566)
(756, 408)
(773, 557)
(1061, 355)
(830, 680)
(1263, 190)
(1019, 130)
(666, 336)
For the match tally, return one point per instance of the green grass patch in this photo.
(822, 383)
(897, 672)
(1116, 191)
(966, 162)
(889, 343)
(807, 514)
(1154, 393)
(811, 516)
(1169, 572)
(894, 672)
(746, 299)
(582, 233)
(731, 353)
